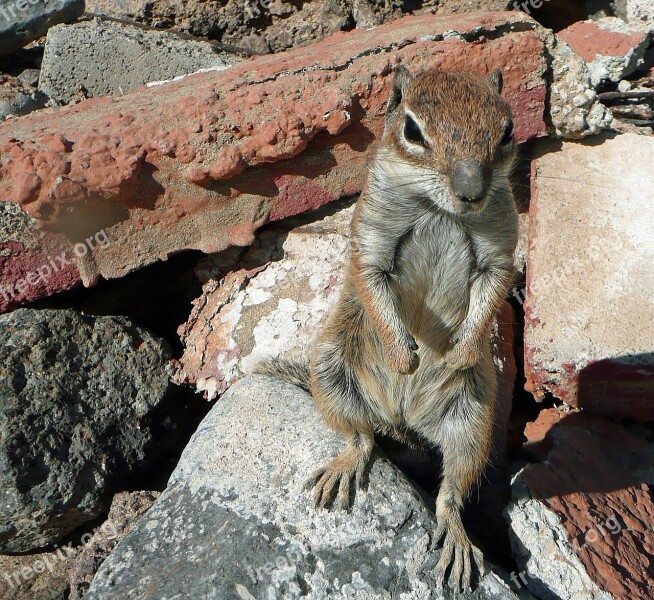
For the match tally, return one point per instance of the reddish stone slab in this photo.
(596, 477)
(590, 38)
(202, 162)
(33, 263)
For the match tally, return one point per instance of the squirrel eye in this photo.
(507, 137)
(412, 132)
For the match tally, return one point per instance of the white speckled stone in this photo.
(234, 522)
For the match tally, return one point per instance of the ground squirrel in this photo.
(406, 349)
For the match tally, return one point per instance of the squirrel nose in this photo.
(468, 181)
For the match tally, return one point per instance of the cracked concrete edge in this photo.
(549, 568)
(616, 68)
(575, 111)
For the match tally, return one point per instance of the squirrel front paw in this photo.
(402, 356)
(463, 355)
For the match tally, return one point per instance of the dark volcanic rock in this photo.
(80, 404)
(18, 98)
(22, 21)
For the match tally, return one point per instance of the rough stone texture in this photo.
(468, 6)
(589, 309)
(522, 249)
(260, 26)
(612, 50)
(118, 58)
(200, 163)
(20, 581)
(639, 13)
(63, 573)
(24, 21)
(238, 486)
(29, 76)
(82, 407)
(582, 520)
(266, 300)
(271, 299)
(17, 98)
(271, 26)
(575, 111)
(26, 250)
(126, 509)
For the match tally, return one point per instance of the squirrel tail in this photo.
(289, 370)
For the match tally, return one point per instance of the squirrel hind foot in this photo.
(458, 555)
(331, 486)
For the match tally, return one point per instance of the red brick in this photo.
(200, 163)
(589, 38)
(592, 472)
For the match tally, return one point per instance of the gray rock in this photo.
(30, 77)
(18, 98)
(235, 523)
(102, 58)
(126, 509)
(81, 408)
(22, 21)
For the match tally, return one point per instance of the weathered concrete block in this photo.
(582, 518)
(589, 307)
(267, 300)
(82, 400)
(575, 111)
(102, 58)
(639, 13)
(22, 21)
(235, 523)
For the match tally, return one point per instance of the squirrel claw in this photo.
(324, 482)
(459, 555)
(403, 357)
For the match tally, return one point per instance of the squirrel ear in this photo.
(401, 81)
(497, 80)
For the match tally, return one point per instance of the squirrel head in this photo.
(449, 138)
